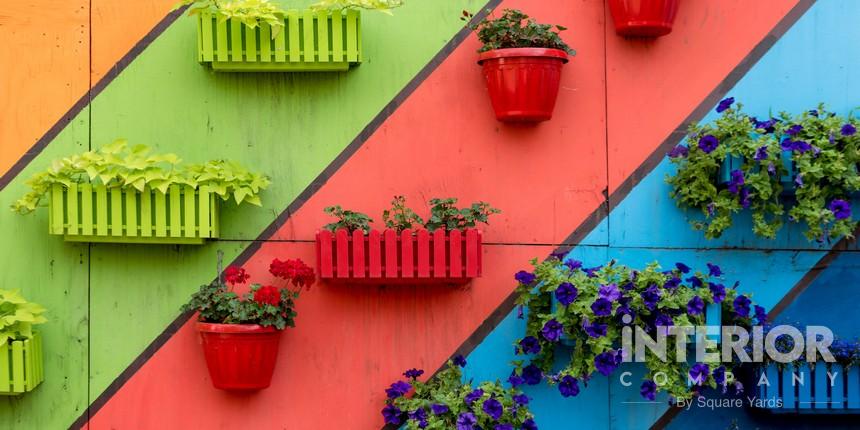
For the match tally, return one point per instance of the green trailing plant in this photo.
(117, 165)
(347, 219)
(445, 402)
(17, 316)
(814, 154)
(591, 306)
(515, 29)
(445, 214)
(383, 6)
(400, 217)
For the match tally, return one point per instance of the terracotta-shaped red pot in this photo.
(240, 356)
(643, 18)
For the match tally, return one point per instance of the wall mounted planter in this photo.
(411, 256)
(93, 213)
(643, 18)
(523, 82)
(309, 42)
(21, 367)
(240, 357)
(815, 395)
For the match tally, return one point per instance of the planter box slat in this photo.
(811, 392)
(820, 395)
(392, 257)
(308, 41)
(837, 391)
(852, 388)
(184, 216)
(21, 367)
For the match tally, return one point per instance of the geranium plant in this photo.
(814, 154)
(515, 29)
(443, 214)
(592, 305)
(445, 402)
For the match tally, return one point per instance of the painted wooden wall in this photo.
(414, 119)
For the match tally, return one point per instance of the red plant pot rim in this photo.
(551, 53)
(234, 328)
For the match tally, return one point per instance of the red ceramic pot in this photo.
(240, 356)
(523, 82)
(643, 18)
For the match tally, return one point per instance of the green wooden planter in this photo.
(93, 213)
(21, 367)
(309, 42)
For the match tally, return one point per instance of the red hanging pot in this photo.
(523, 82)
(240, 356)
(643, 18)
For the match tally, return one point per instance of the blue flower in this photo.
(493, 408)
(592, 272)
(737, 180)
(392, 414)
(532, 374)
(720, 375)
(439, 409)
(419, 415)
(530, 345)
(718, 291)
(566, 293)
(602, 307)
(761, 154)
(679, 151)
(742, 306)
(529, 424)
(595, 330)
(798, 180)
(413, 373)
(695, 306)
(725, 104)
(711, 208)
(607, 362)
(459, 360)
(800, 146)
(699, 373)
(814, 112)
(473, 396)
(573, 264)
(760, 314)
(841, 209)
(794, 130)
(767, 126)
(708, 143)
(609, 292)
(398, 389)
(466, 421)
(648, 390)
(663, 320)
(694, 281)
(524, 277)
(552, 330)
(651, 296)
(682, 267)
(744, 198)
(521, 399)
(714, 270)
(569, 386)
(672, 283)
(504, 427)
(515, 380)
(848, 130)
(771, 168)
(625, 310)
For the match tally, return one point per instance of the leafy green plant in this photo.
(823, 148)
(514, 29)
(444, 214)
(445, 402)
(400, 217)
(117, 165)
(17, 316)
(383, 6)
(347, 219)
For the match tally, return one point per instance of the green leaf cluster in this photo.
(515, 29)
(218, 304)
(347, 219)
(17, 316)
(400, 217)
(447, 389)
(538, 297)
(827, 171)
(383, 6)
(443, 214)
(119, 165)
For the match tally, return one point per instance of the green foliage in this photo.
(17, 316)
(119, 166)
(400, 217)
(514, 29)
(347, 219)
(383, 6)
(447, 389)
(827, 170)
(218, 304)
(249, 12)
(444, 214)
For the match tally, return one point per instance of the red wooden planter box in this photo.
(411, 256)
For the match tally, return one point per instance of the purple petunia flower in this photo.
(848, 130)
(398, 389)
(466, 421)
(841, 208)
(694, 281)
(720, 375)
(711, 208)
(745, 198)
(552, 330)
(718, 291)
(602, 307)
(529, 424)
(725, 104)
(625, 310)
(569, 386)
(737, 180)
(695, 306)
(767, 126)
(742, 306)
(515, 380)
(524, 277)
(413, 373)
(607, 362)
(419, 415)
(699, 373)
(493, 408)
(794, 130)
(566, 293)
(672, 283)
(392, 414)
(708, 143)
(521, 399)
(592, 272)
(473, 396)
(663, 320)
(798, 180)
(679, 151)
(761, 154)
(595, 330)
(530, 345)
(459, 360)
(771, 168)
(760, 314)
(609, 292)
(573, 264)
(648, 390)
(532, 374)
(651, 296)
(439, 409)
(714, 270)
(504, 427)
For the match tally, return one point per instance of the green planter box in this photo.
(21, 367)
(309, 42)
(93, 213)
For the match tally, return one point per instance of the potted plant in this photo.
(21, 368)
(259, 36)
(643, 18)
(522, 62)
(445, 402)
(444, 249)
(240, 334)
(128, 195)
(594, 304)
(739, 162)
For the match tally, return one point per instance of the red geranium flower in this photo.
(294, 271)
(268, 295)
(235, 275)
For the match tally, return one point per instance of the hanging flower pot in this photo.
(240, 356)
(643, 18)
(523, 82)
